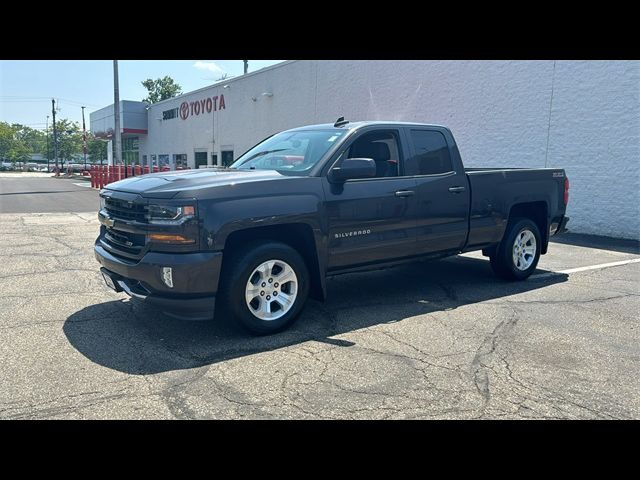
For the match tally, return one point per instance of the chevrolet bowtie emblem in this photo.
(108, 222)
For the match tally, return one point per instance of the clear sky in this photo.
(27, 86)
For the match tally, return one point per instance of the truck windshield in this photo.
(289, 152)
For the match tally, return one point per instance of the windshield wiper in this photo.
(259, 154)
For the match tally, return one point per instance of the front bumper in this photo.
(195, 280)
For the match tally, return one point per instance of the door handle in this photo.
(405, 193)
(457, 189)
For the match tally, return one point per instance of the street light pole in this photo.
(84, 140)
(117, 155)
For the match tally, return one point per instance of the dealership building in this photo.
(583, 116)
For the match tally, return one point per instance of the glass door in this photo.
(201, 159)
(227, 157)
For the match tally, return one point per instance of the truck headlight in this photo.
(169, 214)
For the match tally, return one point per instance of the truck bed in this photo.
(494, 192)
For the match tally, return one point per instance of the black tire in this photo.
(235, 276)
(502, 261)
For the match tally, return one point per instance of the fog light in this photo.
(167, 276)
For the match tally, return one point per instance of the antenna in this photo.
(340, 122)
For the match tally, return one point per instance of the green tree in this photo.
(161, 89)
(34, 140)
(12, 144)
(6, 140)
(69, 140)
(97, 149)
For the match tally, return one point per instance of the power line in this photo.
(20, 101)
(19, 96)
(24, 98)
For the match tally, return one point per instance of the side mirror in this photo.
(353, 168)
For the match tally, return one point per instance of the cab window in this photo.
(382, 146)
(431, 153)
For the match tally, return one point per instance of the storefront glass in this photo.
(130, 153)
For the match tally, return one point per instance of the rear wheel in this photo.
(517, 255)
(266, 287)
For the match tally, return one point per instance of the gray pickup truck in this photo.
(262, 235)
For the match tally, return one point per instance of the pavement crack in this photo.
(559, 302)
(483, 355)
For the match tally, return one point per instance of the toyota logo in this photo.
(184, 110)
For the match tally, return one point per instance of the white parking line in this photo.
(583, 269)
(83, 184)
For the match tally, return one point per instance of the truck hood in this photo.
(169, 184)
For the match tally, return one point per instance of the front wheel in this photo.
(266, 287)
(517, 255)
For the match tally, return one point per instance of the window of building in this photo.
(227, 157)
(163, 160)
(214, 159)
(180, 160)
(431, 153)
(130, 147)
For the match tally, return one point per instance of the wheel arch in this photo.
(299, 236)
(536, 211)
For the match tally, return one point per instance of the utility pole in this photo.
(117, 154)
(213, 138)
(47, 132)
(55, 135)
(246, 66)
(84, 140)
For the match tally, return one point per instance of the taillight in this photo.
(566, 191)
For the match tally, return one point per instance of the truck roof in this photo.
(360, 124)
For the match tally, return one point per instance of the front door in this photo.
(227, 157)
(201, 159)
(373, 219)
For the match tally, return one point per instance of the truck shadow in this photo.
(621, 245)
(133, 339)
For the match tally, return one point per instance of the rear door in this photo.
(442, 191)
(373, 219)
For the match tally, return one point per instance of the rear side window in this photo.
(431, 153)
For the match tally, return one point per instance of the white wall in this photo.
(595, 136)
(501, 112)
(243, 122)
(132, 115)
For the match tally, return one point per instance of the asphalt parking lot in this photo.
(38, 192)
(438, 340)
